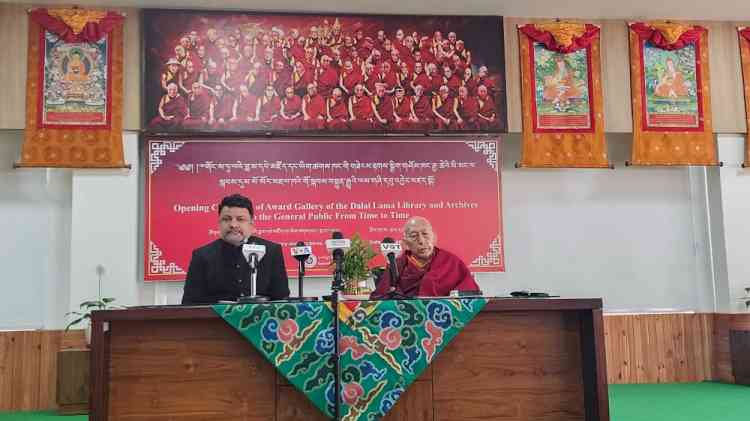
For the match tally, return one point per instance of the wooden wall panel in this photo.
(28, 367)
(659, 348)
(723, 323)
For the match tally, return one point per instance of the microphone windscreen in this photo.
(337, 235)
(300, 243)
(388, 240)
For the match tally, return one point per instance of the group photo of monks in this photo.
(218, 72)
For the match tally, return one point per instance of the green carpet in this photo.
(627, 402)
(679, 402)
(41, 416)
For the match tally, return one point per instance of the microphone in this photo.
(301, 252)
(337, 245)
(253, 254)
(391, 250)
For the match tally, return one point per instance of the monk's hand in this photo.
(398, 119)
(169, 117)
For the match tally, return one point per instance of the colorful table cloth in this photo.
(383, 346)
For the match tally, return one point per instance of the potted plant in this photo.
(356, 269)
(83, 315)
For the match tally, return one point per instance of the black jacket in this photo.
(219, 271)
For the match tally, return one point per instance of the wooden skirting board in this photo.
(641, 348)
(28, 367)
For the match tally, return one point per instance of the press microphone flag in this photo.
(251, 249)
(301, 252)
(338, 243)
(389, 246)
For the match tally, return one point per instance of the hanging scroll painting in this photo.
(563, 124)
(74, 89)
(670, 95)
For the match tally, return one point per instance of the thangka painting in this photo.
(563, 125)
(223, 72)
(671, 89)
(74, 89)
(670, 94)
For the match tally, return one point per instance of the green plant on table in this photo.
(356, 265)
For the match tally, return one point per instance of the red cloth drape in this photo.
(546, 38)
(92, 32)
(745, 33)
(653, 35)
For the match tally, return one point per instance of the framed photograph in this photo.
(246, 72)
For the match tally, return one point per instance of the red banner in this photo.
(303, 190)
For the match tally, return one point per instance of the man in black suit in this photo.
(219, 271)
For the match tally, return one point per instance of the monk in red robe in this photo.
(361, 114)
(403, 111)
(487, 115)
(281, 77)
(172, 110)
(188, 77)
(301, 78)
(291, 110)
(442, 108)
(269, 108)
(313, 109)
(328, 77)
(483, 79)
(171, 73)
(419, 77)
(422, 108)
(452, 81)
(245, 110)
(387, 77)
(337, 112)
(382, 107)
(199, 104)
(221, 108)
(465, 109)
(232, 78)
(424, 269)
(349, 77)
(370, 78)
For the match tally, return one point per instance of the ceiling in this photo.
(733, 10)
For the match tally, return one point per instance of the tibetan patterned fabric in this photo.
(74, 90)
(744, 34)
(385, 345)
(670, 95)
(563, 122)
(296, 338)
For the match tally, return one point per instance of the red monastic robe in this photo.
(198, 104)
(467, 109)
(176, 107)
(339, 115)
(402, 109)
(315, 108)
(443, 274)
(362, 114)
(291, 107)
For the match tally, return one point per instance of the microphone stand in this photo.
(336, 287)
(300, 278)
(253, 298)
